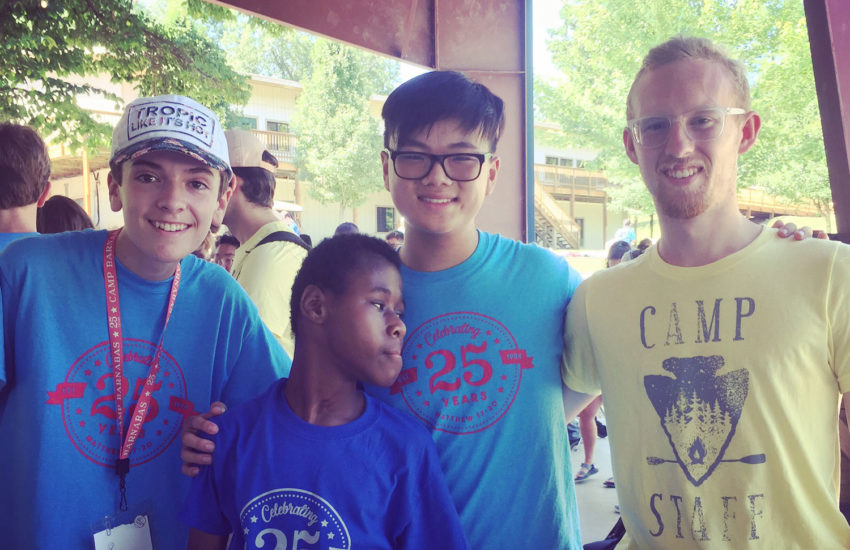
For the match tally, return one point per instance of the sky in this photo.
(545, 15)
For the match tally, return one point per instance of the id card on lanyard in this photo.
(128, 437)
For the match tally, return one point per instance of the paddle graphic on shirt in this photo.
(699, 412)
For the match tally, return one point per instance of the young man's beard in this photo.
(682, 204)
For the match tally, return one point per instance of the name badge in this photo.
(123, 531)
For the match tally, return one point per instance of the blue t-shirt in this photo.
(57, 409)
(6, 238)
(482, 372)
(277, 481)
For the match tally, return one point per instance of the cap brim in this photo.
(175, 145)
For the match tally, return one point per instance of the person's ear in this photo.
(492, 173)
(223, 199)
(114, 196)
(629, 144)
(313, 304)
(45, 194)
(749, 132)
(385, 163)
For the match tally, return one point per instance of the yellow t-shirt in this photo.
(721, 386)
(266, 273)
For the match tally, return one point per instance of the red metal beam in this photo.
(829, 34)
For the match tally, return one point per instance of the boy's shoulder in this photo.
(208, 277)
(57, 243)
(529, 258)
(528, 251)
(246, 413)
(399, 426)
(53, 250)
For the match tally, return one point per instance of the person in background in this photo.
(270, 254)
(644, 244)
(395, 239)
(345, 228)
(287, 217)
(206, 251)
(626, 233)
(24, 181)
(60, 213)
(225, 250)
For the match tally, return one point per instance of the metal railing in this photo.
(560, 221)
(566, 180)
(280, 144)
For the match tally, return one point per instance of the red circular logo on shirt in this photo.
(462, 372)
(87, 397)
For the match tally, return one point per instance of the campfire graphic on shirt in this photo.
(699, 412)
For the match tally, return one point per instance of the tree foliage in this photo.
(338, 139)
(600, 46)
(47, 46)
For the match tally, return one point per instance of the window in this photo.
(245, 122)
(564, 161)
(273, 126)
(580, 223)
(386, 219)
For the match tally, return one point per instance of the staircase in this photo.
(553, 228)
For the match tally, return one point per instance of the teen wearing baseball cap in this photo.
(112, 338)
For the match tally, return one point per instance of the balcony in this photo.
(281, 145)
(564, 182)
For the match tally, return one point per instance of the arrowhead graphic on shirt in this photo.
(699, 411)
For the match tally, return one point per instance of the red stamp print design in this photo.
(462, 372)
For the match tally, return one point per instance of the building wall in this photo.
(593, 216)
(320, 221)
(271, 100)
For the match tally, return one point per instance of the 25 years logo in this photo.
(462, 372)
(87, 397)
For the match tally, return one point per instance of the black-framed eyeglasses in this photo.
(702, 124)
(413, 165)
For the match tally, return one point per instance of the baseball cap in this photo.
(170, 123)
(246, 150)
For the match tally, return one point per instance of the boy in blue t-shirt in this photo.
(112, 338)
(314, 459)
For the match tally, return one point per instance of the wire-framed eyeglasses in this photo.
(702, 124)
(414, 165)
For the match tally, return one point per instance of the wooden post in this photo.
(86, 183)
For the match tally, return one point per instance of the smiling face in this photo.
(687, 177)
(363, 324)
(436, 204)
(168, 201)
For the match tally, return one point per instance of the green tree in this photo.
(45, 44)
(338, 139)
(600, 46)
(254, 45)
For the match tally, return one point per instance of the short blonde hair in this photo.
(689, 47)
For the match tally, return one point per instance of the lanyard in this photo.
(113, 316)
